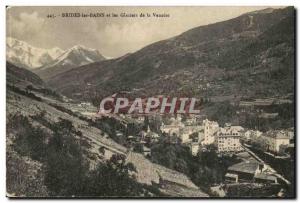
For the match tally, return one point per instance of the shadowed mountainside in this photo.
(248, 56)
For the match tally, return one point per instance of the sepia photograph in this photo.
(150, 102)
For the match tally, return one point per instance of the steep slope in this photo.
(21, 76)
(43, 109)
(24, 55)
(241, 57)
(74, 57)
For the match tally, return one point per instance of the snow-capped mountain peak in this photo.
(24, 55)
(77, 55)
(55, 52)
(78, 47)
(73, 57)
(27, 56)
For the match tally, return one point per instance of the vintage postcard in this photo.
(150, 102)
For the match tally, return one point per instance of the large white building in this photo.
(276, 138)
(178, 128)
(252, 134)
(210, 131)
(171, 129)
(228, 140)
(185, 133)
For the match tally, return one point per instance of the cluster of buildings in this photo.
(198, 134)
(227, 138)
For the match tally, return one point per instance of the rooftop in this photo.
(265, 177)
(245, 167)
(277, 134)
(230, 175)
(228, 131)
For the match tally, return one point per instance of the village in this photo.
(263, 158)
(230, 140)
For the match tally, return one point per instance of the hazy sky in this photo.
(112, 36)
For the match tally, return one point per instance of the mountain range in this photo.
(49, 62)
(248, 56)
(24, 55)
(72, 58)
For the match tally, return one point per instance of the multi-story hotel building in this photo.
(228, 140)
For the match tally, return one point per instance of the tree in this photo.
(114, 178)
(30, 140)
(102, 150)
(65, 167)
